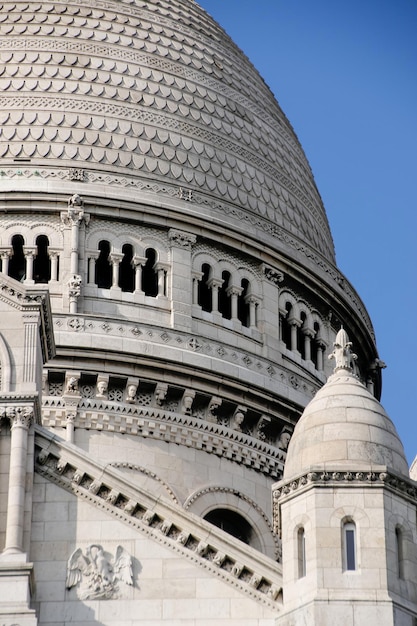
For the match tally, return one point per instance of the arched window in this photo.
(42, 262)
(349, 546)
(126, 269)
(232, 523)
(204, 291)
(103, 276)
(149, 274)
(314, 344)
(225, 307)
(399, 543)
(243, 304)
(301, 552)
(286, 328)
(17, 263)
(300, 336)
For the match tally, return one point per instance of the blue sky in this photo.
(345, 74)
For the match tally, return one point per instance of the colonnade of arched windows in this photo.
(31, 264)
(128, 271)
(300, 331)
(219, 290)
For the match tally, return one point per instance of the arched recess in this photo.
(211, 501)
(5, 366)
(148, 480)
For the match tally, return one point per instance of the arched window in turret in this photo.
(126, 269)
(42, 262)
(243, 304)
(149, 274)
(103, 276)
(17, 263)
(225, 307)
(399, 544)
(205, 299)
(349, 546)
(301, 552)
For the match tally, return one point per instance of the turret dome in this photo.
(344, 426)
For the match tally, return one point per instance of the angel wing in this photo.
(123, 566)
(77, 564)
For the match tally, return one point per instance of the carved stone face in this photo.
(131, 391)
(284, 440)
(102, 387)
(239, 417)
(188, 401)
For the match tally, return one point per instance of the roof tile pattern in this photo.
(158, 90)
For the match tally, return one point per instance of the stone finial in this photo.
(342, 354)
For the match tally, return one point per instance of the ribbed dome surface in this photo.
(344, 426)
(153, 90)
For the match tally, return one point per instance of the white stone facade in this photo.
(169, 299)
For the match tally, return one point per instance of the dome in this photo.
(154, 96)
(344, 426)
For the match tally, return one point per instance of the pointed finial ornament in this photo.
(342, 354)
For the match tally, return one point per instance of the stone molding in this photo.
(102, 486)
(187, 342)
(155, 423)
(154, 187)
(376, 477)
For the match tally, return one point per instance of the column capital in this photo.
(18, 416)
(115, 257)
(234, 291)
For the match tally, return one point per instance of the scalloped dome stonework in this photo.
(154, 96)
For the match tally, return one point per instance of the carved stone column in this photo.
(308, 336)
(162, 270)
(92, 267)
(53, 255)
(196, 276)
(138, 262)
(214, 284)
(5, 257)
(234, 293)
(321, 347)
(253, 302)
(20, 421)
(294, 324)
(115, 259)
(29, 256)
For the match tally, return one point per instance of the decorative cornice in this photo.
(187, 342)
(376, 477)
(238, 564)
(163, 425)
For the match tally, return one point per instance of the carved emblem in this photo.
(97, 574)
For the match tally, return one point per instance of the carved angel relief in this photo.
(97, 575)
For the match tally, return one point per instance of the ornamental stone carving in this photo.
(182, 239)
(98, 575)
(273, 275)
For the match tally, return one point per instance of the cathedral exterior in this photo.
(190, 431)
